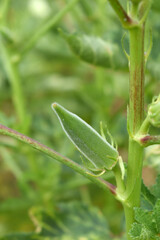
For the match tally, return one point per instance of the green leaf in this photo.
(156, 5)
(98, 151)
(147, 199)
(145, 217)
(157, 214)
(91, 49)
(140, 233)
(148, 223)
(156, 188)
(73, 221)
(19, 236)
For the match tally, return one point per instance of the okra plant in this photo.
(99, 155)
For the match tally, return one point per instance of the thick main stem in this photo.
(135, 119)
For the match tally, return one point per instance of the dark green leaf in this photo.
(19, 236)
(74, 221)
(157, 214)
(156, 5)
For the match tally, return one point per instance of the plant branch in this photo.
(125, 19)
(13, 76)
(4, 11)
(52, 21)
(53, 154)
(148, 140)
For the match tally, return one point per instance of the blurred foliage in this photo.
(49, 72)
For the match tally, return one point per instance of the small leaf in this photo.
(98, 151)
(138, 232)
(146, 218)
(157, 214)
(148, 200)
(156, 188)
(91, 49)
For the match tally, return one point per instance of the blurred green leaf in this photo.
(19, 236)
(91, 49)
(74, 221)
(156, 188)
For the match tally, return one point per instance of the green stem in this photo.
(136, 104)
(148, 140)
(145, 126)
(17, 93)
(50, 152)
(135, 119)
(4, 11)
(125, 19)
(46, 26)
(120, 182)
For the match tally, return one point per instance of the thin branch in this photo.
(4, 11)
(53, 154)
(125, 19)
(12, 73)
(47, 26)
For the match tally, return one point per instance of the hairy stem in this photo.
(53, 154)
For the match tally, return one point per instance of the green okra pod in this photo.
(97, 150)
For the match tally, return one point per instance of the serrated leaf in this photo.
(91, 49)
(140, 233)
(146, 218)
(147, 199)
(157, 214)
(74, 221)
(147, 225)
(98, 151)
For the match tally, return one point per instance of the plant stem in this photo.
(4, 11)
(46, 26)
(135, 119)
(125, 19)
(144, 127)
(148, 140)
(119, 180)
(17, 93)
(50, 152)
